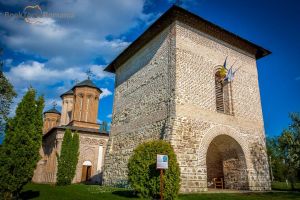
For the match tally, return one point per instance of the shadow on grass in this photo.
(286, 190)
(271, 195)
(283, 195)
(29, 194)
(125, 193)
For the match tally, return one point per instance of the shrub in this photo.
(143, 176)
(68, 159)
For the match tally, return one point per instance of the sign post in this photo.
(161, 164)
(161, 184)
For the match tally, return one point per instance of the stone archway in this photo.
(226, 162)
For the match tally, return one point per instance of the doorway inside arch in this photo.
(226, 164)
(86, 171)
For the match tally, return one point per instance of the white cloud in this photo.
(34, 71)
(49, 102)
(98, 72)
(8, 62)
(105, 93)
(68, 47)
(15, 2)
(79, 40)
(43, 78)
(109, 116)
(14, 105)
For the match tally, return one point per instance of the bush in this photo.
(144, 178)
(68, 159)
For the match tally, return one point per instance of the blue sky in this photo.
(54, 53)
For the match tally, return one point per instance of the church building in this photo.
(194, 84)
(79, 114)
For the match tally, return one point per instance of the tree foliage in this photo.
(275, 159)
(68, 159)
(103, 126)
(144, 178)
(7, 94)
(20, 151)
(285, 152)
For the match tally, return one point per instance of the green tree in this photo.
(277, 167)
(295, 128)
(289, 144)
(143, 176)
(103, 126)
(20, 150)
(75, 154)
(68, 159)
(7, 94)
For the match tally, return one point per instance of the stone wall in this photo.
(141, 104)
(235, 175)
(85, 104)
(50, 120)
(197, 123)
(89, 149)
(67, 109)
(46, 169)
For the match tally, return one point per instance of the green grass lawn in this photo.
(284, 187)
(74, 192)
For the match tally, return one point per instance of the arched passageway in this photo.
(225, 161)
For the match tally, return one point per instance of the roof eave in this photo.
(73, 128)
(53, 113)
(61, 96)
(171, 15)
(99, 90)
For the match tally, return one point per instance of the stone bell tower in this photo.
(172, 83)
(85, 104)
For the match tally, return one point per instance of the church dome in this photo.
(52, 110)
(69, 92)
(87, 83)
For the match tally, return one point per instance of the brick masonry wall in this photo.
(66, 110)
(89, 151)
(85, 105)
(50, 120)
(196, 121)
(141, 104)
(46, 169)
(167, 91)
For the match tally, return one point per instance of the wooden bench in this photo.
(218, 182)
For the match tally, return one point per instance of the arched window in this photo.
(223, 94)
(89, 97)
(80, 105)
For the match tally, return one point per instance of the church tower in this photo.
(51, 119)
(67, 107)
(79, 114)
(194, 84)
(85, 105)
